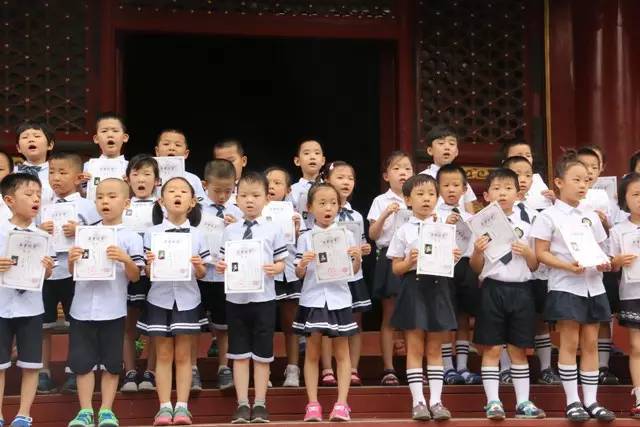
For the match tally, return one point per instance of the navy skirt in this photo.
(385, 283)
(330, 323)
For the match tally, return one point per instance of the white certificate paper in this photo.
(102, 169)
(400, 218)
(609, 184)
(244, 273)
(534, 197)
(281, 214)
(582, 245)
(333, 263)
(596, 199)
(172, 257)
(213, 228)
(355, 228)
(26, 250)
(94, 264)
(436, 243)
(493, 223)
(60, 214)
(463, 236)
(631, 245)
(170, 166)
(138, 217)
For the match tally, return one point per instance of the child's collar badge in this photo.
(587, 221)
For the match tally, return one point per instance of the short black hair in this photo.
(304, 141)
(173, 130)
(634, 161)
(287, 175)
(452, 168)
(9, 159)
(503, 173)
(229, 143)
(110, 115)
(143, 160)
(587, 151)
(219, 169)
(569, 159)
(74, 158)
(30, 124)
(253, 177)
(509, 145)
(510, 161)
(13, 181)
(439, 131)
(625, 182)
(417, 180)
(195, 214)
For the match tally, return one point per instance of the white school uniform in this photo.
(406, 239)
(229, 209)
(378, 206)
(47, 195)
(274, 249)
(443, 211)
(469, 195)
(542, 273)
(628, 291)
(196, 183)
(289, 273)
(298, 193)
(5, 212)
(107, 299)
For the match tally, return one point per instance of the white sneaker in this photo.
(291, 376)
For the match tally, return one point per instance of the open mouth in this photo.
(106, 210)
(32, 146)
(111, 143)
(35, 208)
(327, 216)
(141, 187)
(177, 202)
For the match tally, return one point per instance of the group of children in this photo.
(535, 285)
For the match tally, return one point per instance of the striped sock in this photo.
(462, 354)
(491, 382)
(435, 374)
(569, 377)
(542, 345)
(520, 376)
(447, 356)
(505, 360)
(414, 378)
(589, 381)
(604, 351)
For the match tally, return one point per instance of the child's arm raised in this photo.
(545, 256)
(75, 253)
(401, 266)
(47, 263)
(199, 267)
(375, 227)
(69, 229)
(274, 268)
(131, 269)
(301, 268)
(477, 257)
(525, 251)
(356, 258)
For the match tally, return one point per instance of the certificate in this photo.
(138, 217)
(213, 228)
(597, 200)
(534, 197)
(333, 263)
(25, 250)
(436, 243)
(60, 214)
(173, 254)
(609, 184)
(281, 214)
(170, 167)
(94, 264)
(244, 273)
(356, 228)
(630, 244)
(102, 169)
(463, 236)
(400, 218)
(493, 223)
(582, 245)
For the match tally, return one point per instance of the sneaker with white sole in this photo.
(148, 382)
(130, 383)
(291, 376)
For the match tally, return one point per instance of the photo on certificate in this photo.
(436, 243)
(333, 262)
(173, 253)
(245, 262)
(493, 223)
(60, 214)
(26, 251)
(94, 264)
(630, 244)
(582, 245)
(281, 214)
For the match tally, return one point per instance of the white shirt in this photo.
(274, 249)
(5, 212)
(16, 303)
(378, 206)
(87, 215)
(107, 299)
(335, 295)
(289, 273)
(469, 195)
(627, 290)
(299, 191)
(185, 293)
(43, 175)
(196, 183)
(121, 158)
(229, 209)
(406, 238)
(542, 273)
(443, 211)
(356, 217)
(547, 227)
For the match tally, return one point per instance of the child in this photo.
(386, 286)
(576, 300)
(251, 316)
(629, 201)
(634, 163)
(172, 313)
(442, 147)
(542, 342)
(21, 311)
(219, 182)
(65, 170)
(522, 149)
(342, 176)
(34, 141)
(288, 285)
(173, 142)
(6, 167)
(325, 308)
(452, 182)
(424, 308)
(310, 159)
(99, 309)
(143, 177)
(231, 150)
(507, 312)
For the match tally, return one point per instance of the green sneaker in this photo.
(83, 419)
(106, 418)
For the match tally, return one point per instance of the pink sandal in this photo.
(328, 380)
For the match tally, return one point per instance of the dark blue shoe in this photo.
(45, 385)
(21, 421)
(70, 386)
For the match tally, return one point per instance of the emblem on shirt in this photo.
(518, 232)
(587, 221)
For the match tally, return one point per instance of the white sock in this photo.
(569, 377)
(435, 374)
(604, 351)
(46, 371)
(221, 367)
(181, 405)
(636, 393)
(543, 350)
(491, 382)
(589, 381)
(167, 405)
(414, 377)
(447, 356)
(505, 360)
(462, 355)
(520, 376)
(194, 367)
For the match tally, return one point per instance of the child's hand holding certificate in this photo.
(25, 250)
(435, 251)
(333, 262)
(631, 246)
(60, 214)
(582, 245)
(93, 262)
(213, 228)
(493, 223)
(244, 272)
(171, 257)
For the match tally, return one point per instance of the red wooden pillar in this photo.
(406, 75)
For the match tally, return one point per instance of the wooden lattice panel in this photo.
(44, 67)
(344, 8)
(471, 68)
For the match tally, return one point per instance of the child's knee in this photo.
(491, 355)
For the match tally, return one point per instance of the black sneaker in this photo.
(259, 414)
(549, 377)
(242, 415)
(600, 413)
(45, 384)
(576, 412)
(606, 377)
(148, 382)
(70, 386)
(225, 378)
(130, 382)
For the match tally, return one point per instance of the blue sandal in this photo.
(21, 421)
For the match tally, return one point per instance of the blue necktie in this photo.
(178, 230)
(247, 233)
(31, 170)
(220, 208)
(523, 213)
(345, 214)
